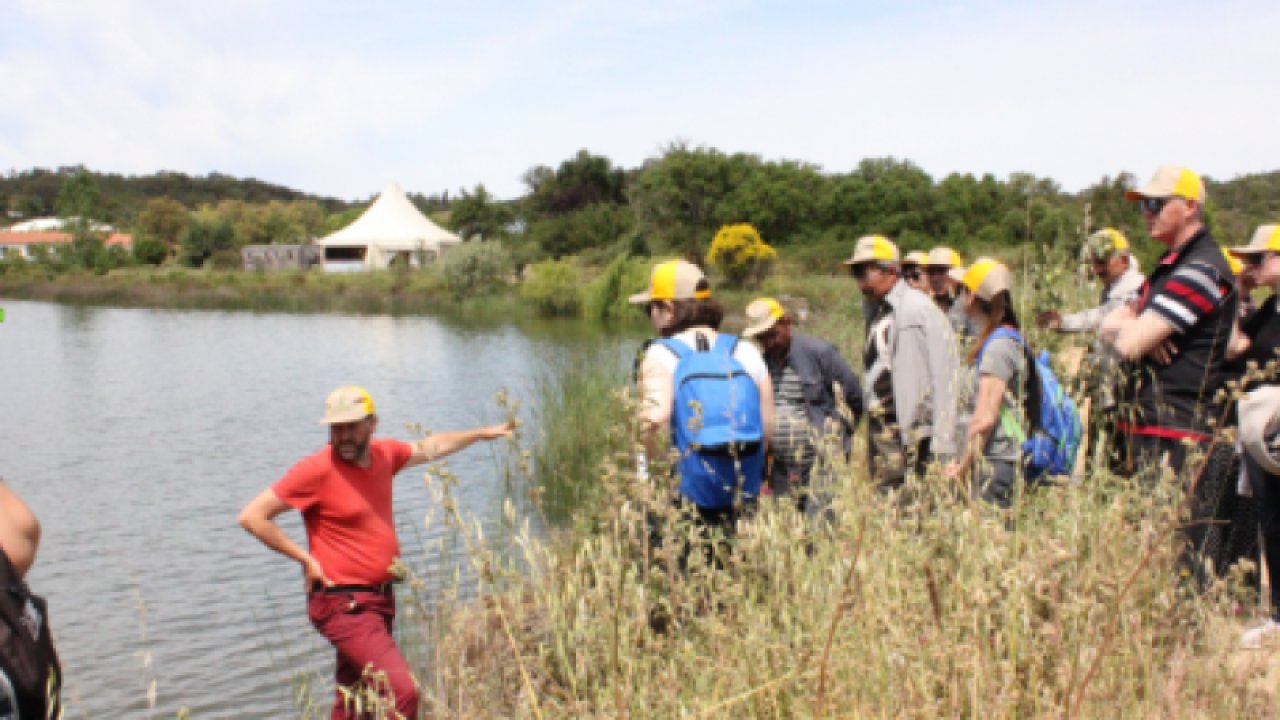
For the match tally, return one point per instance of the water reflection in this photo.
(137, 435)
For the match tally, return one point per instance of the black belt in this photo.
(380, 589)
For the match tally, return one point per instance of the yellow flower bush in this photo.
(740, 254)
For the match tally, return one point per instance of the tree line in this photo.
(673, 203)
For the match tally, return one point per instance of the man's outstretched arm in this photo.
(439, 445)
(258, 517)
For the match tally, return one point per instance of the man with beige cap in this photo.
(910, 365)
(1175, 336)
(1256, 351)
(1108, 254)
(815, 394)
(344, 494)
(938, 266)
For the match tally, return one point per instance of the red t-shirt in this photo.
(347, 510)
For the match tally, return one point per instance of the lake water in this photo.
(137, 436)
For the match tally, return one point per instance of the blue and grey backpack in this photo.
(716, 424)
(1051, 445)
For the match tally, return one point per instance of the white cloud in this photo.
(338, 98)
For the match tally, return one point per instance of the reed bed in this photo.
(916, 603)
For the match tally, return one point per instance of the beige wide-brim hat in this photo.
(1171, 181)
(674, 280)
(1260, 425)
(349, 403)
(762, 314)
(1265, 239)
(873, 248)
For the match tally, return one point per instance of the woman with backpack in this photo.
(711, 392)
(1000, 373)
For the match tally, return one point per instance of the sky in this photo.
(339, 98)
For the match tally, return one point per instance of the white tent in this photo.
(391, 230)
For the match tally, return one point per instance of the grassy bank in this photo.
(920, 604)
(358, 293)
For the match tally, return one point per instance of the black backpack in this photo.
(30, 676)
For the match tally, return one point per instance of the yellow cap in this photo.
(674, 280)
(762, 314)
(1105, 243)
(943, 257)
(1171, 181)
(873, 248)
(1237, 267)
(349, 403)
(915, 257)
(985, 278)
(1265, 239)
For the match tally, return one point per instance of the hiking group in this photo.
(950, 388)
(949, 384)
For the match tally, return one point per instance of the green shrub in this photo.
(475, 267)
(606, 295)
(553, 287)
(148, 250)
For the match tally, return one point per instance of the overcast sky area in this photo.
(337, 98)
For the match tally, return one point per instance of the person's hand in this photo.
(1163, 353)
(493, 432)
(1049, 319)
(314, 575)
(953, 470)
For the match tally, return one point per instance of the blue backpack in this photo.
(1051, 446)
(716, 424)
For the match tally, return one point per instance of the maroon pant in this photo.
(359, 626)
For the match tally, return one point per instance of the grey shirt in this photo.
(1003, 358)
(914, 344)
(1125, 288)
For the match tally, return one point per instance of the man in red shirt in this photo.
(344, 494)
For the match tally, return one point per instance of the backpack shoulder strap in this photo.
(677, 348)
(726, 344)
(998, 333)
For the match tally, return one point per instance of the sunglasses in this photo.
(860, 270)
(936, 270)
(1256, 259)
(911, 273)
(1153, 205)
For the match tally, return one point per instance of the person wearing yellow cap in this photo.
(343, 492)
(913, 270)
(1257, 345)
(992, 451)
(938, 265)
(1175, 336)
(713, 491)
(1108, 254)
(815, 394)
(910, 366)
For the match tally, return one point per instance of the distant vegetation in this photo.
(674, 203)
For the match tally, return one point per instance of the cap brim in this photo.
(1242, 251)
(341, 418)
(640, 298)
(755, 330)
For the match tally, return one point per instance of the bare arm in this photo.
(1141, 335)
(439, 445)
(1239, 343)
(986, 413)
(258, 517)
(765, 387)
(19, 530)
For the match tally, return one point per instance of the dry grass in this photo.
(918, 604)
